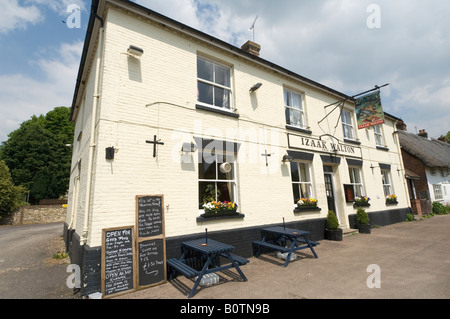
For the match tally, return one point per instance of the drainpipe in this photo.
(92, 144)
(402, 166)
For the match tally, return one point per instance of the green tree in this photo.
(37, 155)
(448, 137)
(10, 195)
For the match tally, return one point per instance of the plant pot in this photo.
(364, 228)
(333, 234)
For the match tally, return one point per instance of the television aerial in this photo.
(252, 28)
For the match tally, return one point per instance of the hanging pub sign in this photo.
(369, 110)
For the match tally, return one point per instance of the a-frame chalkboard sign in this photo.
(151, 242)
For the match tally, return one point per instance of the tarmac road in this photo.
(411, 261)
(27, 269)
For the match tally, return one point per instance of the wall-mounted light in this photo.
(255, 87)
(135, 51)
(189, 147)
(110, 153)
(287, 158)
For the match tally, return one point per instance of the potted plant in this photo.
(362, 221)
(332, 231)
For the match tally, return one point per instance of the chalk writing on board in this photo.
(150, 216)
(151, 262)
(118, 260)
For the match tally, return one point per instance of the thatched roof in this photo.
(432, 153)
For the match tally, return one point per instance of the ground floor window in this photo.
(216, 177)
(301, 180)
(437, 191)
(386, 177)
(356, 181)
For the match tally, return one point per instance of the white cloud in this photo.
(22, 96)
(14, 16)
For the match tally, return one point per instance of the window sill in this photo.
(216, 110)
(298, 129)
(307, 209)
(203, 218)
(352, 141)
(382, 148)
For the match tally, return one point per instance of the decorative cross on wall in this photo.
(266, 155)
(155, 142)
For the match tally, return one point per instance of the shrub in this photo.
(440, 209)
(362, 218)
(332, 221)
(10, 195)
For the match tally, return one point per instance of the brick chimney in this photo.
(423, 133)
(401, 126)
(251, 47)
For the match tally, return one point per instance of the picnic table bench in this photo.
(208, 251)
(276, 238)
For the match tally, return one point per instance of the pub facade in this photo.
(231, 141)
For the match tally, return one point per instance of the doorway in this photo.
(329, 189)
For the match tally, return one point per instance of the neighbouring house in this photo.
(427, 166)
(162, 108)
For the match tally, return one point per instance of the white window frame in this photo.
(379, 138)
(230, 107)
(386, 179)
(299, 183)
(348, 127)
(288, 106)
(216, 180)
(355, 175)
(437, 190)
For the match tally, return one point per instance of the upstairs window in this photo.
(214, 84)
(347, 124)
(295, 114)
(378, 135)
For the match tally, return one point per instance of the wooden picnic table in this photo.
(208, 250)
(277, 238)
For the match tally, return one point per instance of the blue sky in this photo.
(328, 41)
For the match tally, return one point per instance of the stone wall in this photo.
(36, 214)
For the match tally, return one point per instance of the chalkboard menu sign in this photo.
(117, 260)
(151, 246)
(151, 262)
(150, 215)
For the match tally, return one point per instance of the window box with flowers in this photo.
(220, 210)
(361, 201)
(306, 204)
(391, 200)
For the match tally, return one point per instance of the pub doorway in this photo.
(329, 189)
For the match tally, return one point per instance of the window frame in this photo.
(348, 125)
(437, 191)
(385, 173)
(299, 182)
(360, 185)
(290, 108)
(214, 85)
(225, 155)
(379, 136)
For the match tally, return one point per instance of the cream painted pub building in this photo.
(161, 108)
